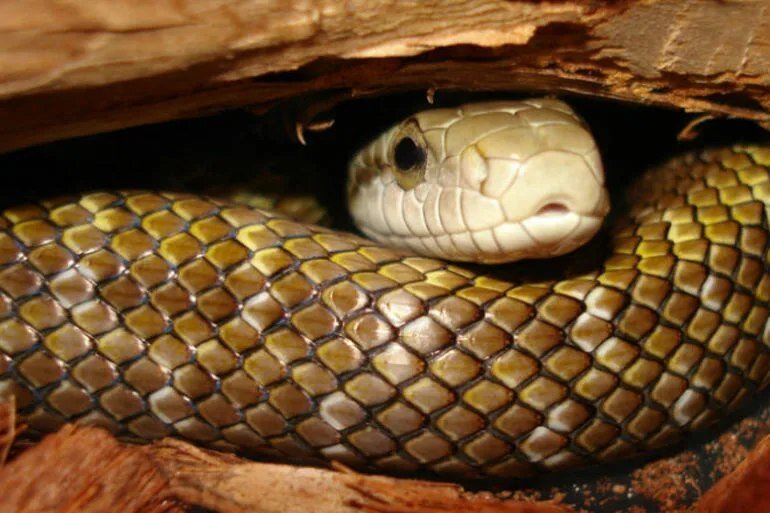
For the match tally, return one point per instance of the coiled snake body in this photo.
(170, 314)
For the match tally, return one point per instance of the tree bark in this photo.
(747, 488)
(70, 68)
(85, 469)
(59, 476)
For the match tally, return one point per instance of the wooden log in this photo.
(71, 68)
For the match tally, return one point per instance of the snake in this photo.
(156, 314)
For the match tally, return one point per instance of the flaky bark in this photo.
(71, 67)
(747, 488)
(86, 470)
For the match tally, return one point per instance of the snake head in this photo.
(488, 182)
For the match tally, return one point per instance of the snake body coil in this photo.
(160, 314)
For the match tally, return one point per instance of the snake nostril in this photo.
(552, 209)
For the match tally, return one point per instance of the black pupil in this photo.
(408, 155)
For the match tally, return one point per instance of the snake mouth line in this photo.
(552, 209)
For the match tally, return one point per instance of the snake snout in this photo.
(558, 199)
(555, 182)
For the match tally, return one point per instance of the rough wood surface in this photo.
(83, 470)
(230, 485)
(86, 470)
(69, 67)
(745, 489)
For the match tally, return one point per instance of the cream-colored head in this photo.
(489, 182)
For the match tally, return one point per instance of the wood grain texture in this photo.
(87, 470)
(229, 485)
(83, 470)
(69, 68)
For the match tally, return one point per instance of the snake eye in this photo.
(408, 156)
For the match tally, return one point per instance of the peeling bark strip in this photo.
(83, 470)
(87, 470)
(73, 68)
(229, 485)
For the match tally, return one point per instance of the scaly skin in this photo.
(158, 314)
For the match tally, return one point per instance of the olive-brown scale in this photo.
(167, 314)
